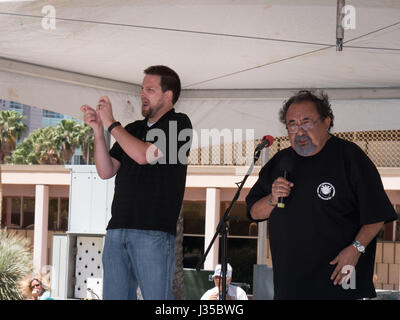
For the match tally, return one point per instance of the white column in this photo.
(213, 202)
(41, 227)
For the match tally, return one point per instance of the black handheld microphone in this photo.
(286, 166)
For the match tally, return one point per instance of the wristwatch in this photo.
(270, 203)
(359, 246)
(113, 125)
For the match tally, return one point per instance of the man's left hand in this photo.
(347, 257)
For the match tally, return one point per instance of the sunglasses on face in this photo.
(37, 285)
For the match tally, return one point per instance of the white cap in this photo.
(218, 271)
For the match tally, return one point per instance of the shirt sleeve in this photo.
(261, 188)
(242, 295)
(373, 202)
(116, 150)
(207, 294)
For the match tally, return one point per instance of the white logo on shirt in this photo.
(326, 191)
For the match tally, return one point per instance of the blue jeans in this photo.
(135, 257)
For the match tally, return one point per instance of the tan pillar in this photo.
(41, 227)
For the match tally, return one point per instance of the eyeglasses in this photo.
(35, 285)
(305, 125)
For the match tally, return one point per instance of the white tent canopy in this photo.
(238, 60)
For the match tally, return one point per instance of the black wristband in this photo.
(113, 125)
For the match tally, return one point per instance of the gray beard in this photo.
(305, 150)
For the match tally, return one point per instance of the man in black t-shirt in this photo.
(149, 159)
(323, 237)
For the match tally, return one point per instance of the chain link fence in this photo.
(382, 147)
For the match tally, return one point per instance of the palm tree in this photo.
(15, 263)
(85, 139)
(46, 147)
(67, 133)
(55, 145)
(11, 129)
(40, 147)
(25, 152)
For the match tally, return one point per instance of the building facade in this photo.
(36, 200)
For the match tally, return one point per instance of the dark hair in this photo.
(320, 100)
(169, 80)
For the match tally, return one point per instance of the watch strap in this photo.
(113, 125)
(270, 203)
(359, 246)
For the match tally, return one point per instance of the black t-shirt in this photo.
(335, 192)
(150, 196)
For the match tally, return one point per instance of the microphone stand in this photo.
(222, 229)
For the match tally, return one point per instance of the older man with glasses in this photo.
(323, 240)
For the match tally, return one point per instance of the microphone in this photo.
(266, 142)
(285, 166)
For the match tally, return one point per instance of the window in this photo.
(17, 107)
(28, 212)
(193, 248)
(64, 214)
(194, 217)
(51, 114)
(242, 255)
(239, 224)
(242, 243)
(397, 231)
(242, 239)
(58, 214)
(19, 212)
(15, 204)
(52, 119)
(193, 232)
(2, 104)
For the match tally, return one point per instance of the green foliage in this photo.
(54, 145)
(11, 129)
(15, 264)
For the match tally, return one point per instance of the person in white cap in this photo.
(233, 292)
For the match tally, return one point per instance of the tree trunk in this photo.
(1, 198)
(67, 154)
(178, 288)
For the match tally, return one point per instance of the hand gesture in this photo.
(280, 188)
(104, 111)
(91, 118)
